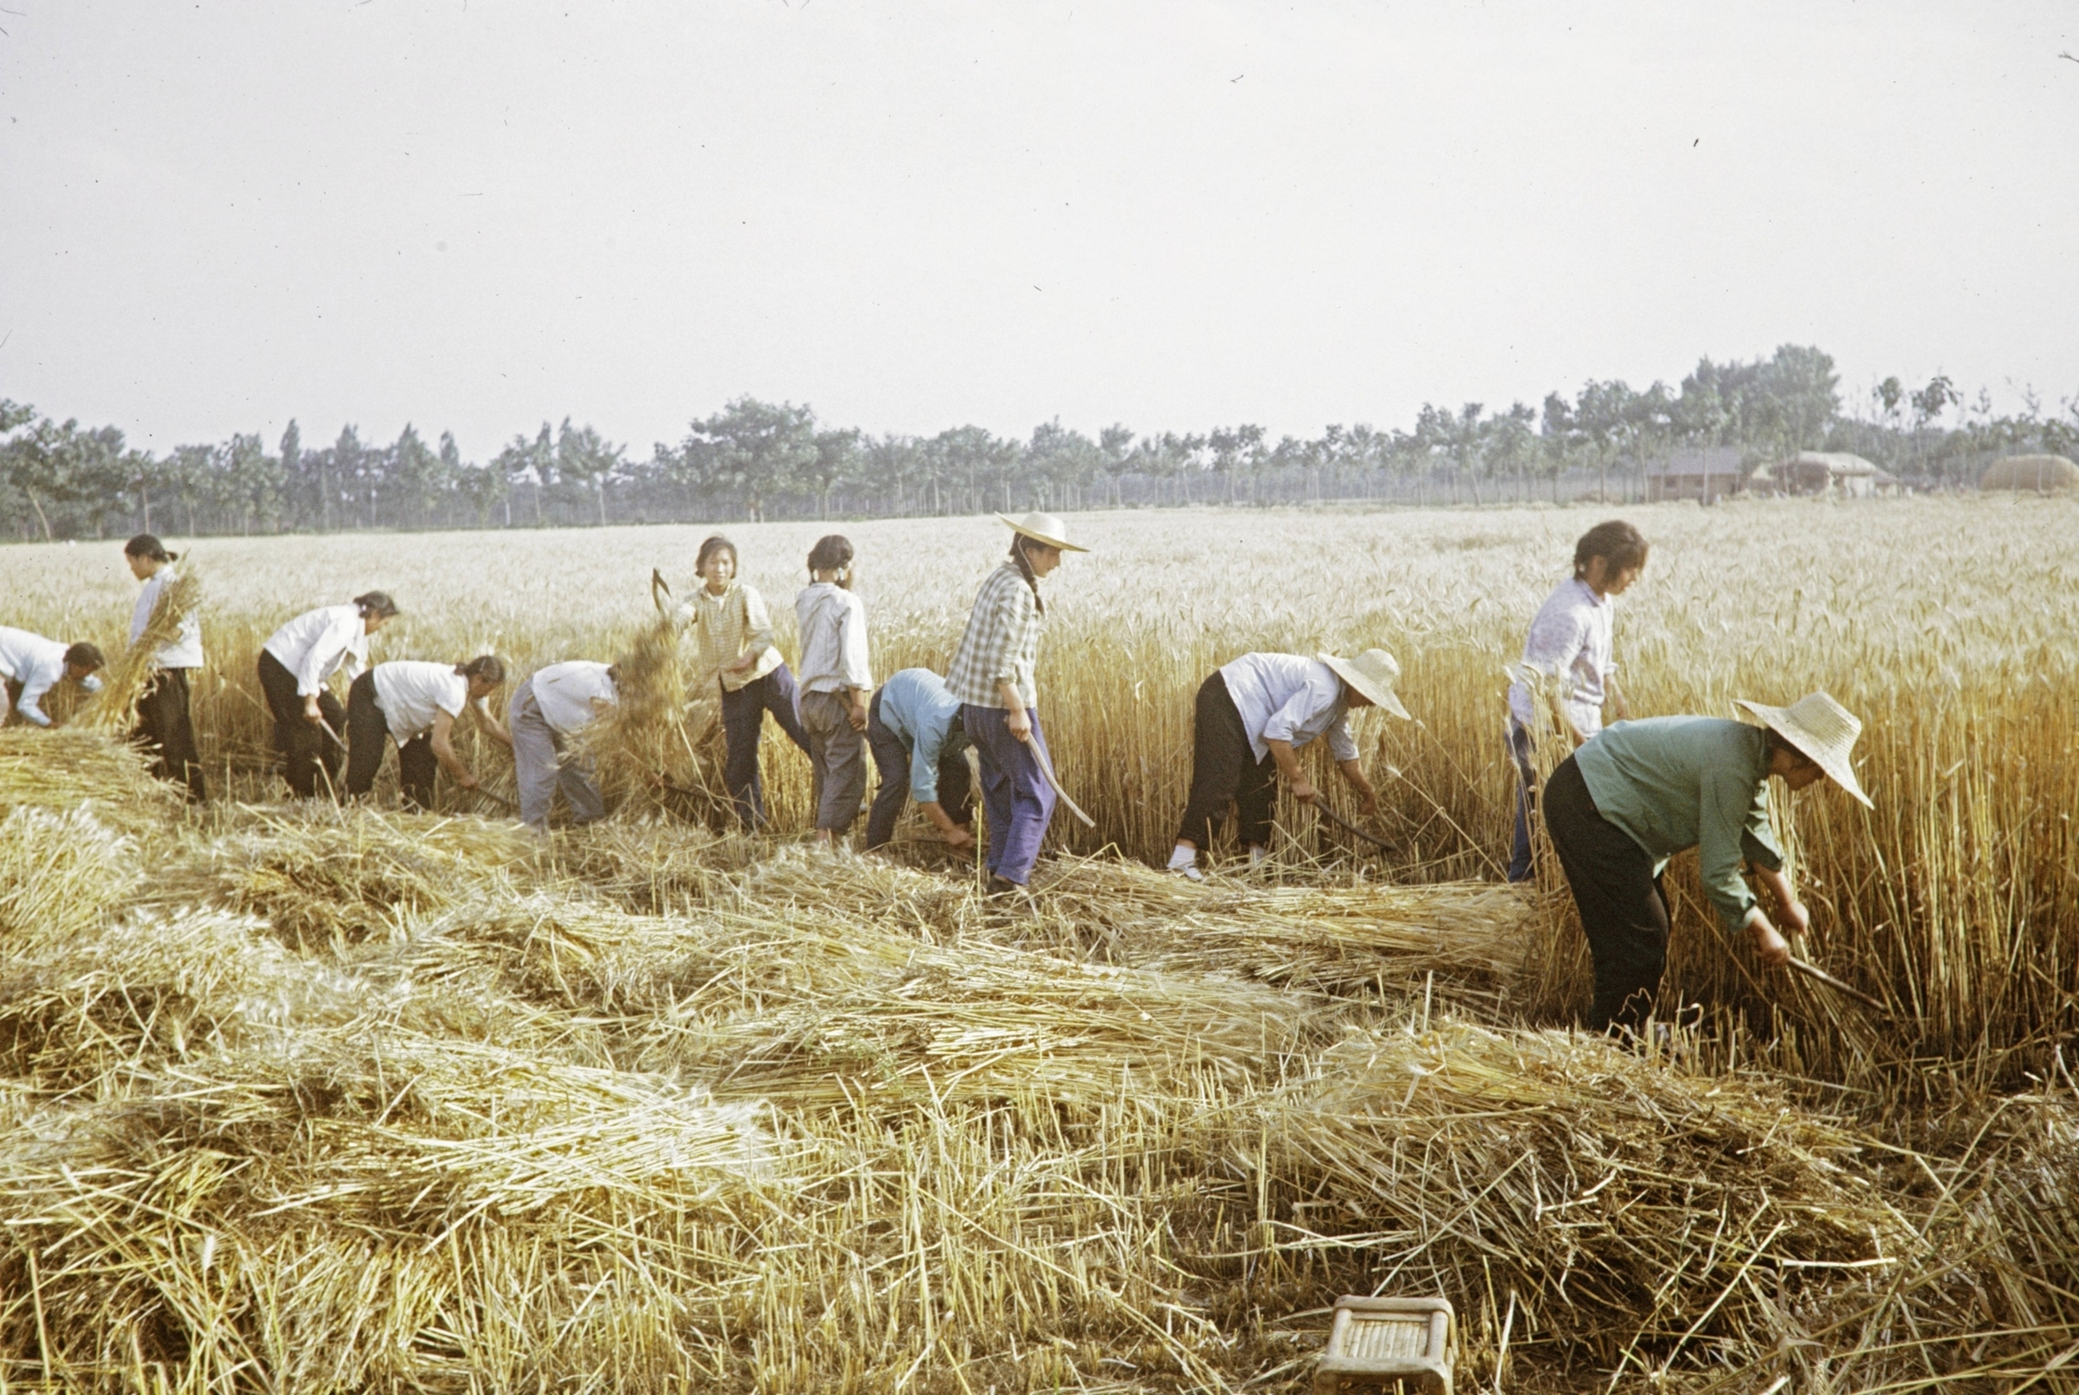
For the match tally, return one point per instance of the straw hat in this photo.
(1372, 673)
(1043, 527)
(1822, 729)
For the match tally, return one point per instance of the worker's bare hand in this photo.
(1019, 724)
(1771, 948)
(857, 716)
(1370, 804)
(741, 664)
(1796, 919)
(959, 839)
(311, 713)
(469, 782)
(1303, 791)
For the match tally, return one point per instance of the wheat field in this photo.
(301, 1099)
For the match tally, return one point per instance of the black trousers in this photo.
(167, 734)
(891, 760)
(1624, 907)
(368, 735)
(304, 750)
(1223, 767)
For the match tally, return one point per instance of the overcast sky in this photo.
(216, 216)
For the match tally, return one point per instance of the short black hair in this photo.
(376, 603)
(86, 656)
(831, 552)
(714, 543)
(488, 667)
(146, 545)
(1618, 543)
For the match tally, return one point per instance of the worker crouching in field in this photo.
(835, 677)
(1571, 643)
(548, 711)
(734, 636)
(992, 676)
(920, 752)
(1640, 792)
(165, 727)
(1253, 715)
(415, 704)
(31, 666)
(295, 664)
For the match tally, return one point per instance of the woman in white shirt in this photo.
(298, 658)
(164, 727)
(1570, 649)
(415, 704)
(1253, 715)
(30, 666)
(835, 678)
(547, 711)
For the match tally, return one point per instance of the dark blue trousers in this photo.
(1015, 796)
(743, 723)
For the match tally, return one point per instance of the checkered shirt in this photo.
(1001, 642)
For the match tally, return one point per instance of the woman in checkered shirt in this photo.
(991, 675)
(734, 632)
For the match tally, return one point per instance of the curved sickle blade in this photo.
(660, 592)
(1322, 805)
(1813, 971)
(1039, 754)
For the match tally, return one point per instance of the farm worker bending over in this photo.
(1570, 644)
(734, 635)
(164, 726)
(920, 751)
(415, 704)
(1253, 714)
(33, 665)
(835, 679)
(295, 663)
(547, 710)
(992, 676)
(1640, 792)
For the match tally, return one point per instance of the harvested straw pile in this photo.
(333, 1099)
(79, 769)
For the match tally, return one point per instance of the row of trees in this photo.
(759, 459)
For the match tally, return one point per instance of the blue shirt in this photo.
(924, 716)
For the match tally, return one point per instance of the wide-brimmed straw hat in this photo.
(1043, 527)
(1822, 729)
(1373, 673)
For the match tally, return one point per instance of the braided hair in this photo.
(1018, 541)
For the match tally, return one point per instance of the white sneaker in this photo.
(1185, 860)
(1188, 869)
(1258, 856)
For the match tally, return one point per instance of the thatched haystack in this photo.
(2031, 474)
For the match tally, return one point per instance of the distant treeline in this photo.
(759, 460)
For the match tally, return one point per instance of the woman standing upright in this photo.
(734, 633)
(836, 676)
(309, 723)
(164, 726)
(1570, 644)
(992, 676)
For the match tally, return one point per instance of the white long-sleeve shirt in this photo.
(38, 664)
(1570, 640)
(833, 639)
(320, 642)
(1287, 697)
(184, 652)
